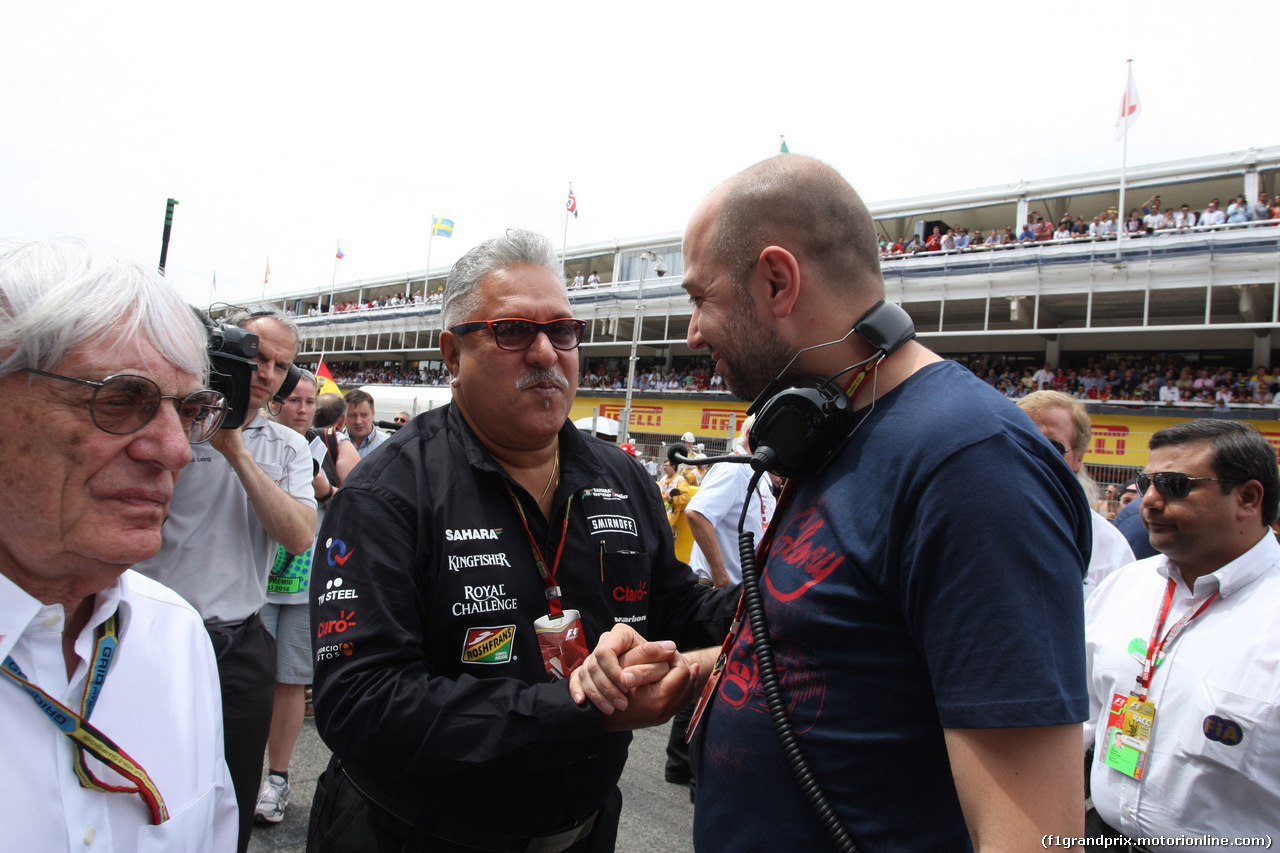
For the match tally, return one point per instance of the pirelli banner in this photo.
(715, 417)
(1121, 440)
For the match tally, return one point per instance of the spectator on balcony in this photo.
(948, 243)
(1212, 215)
(593, 280)
(1183, 218)
(1063, 232)
(934, 243)
(1238, 211)
(1042, 230)
(1155, 220)
(978, 241)
(993, 239)
(1133, 226)
(962, 239)
(1261, 210)
(1043, 378)
(1096, 228)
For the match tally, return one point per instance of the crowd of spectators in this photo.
(350, 374)
(1149, 219)
(1167, 380)
(398, 300)
(699, 375)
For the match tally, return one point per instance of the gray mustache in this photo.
(542, 375)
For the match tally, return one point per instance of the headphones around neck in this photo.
(805, 420)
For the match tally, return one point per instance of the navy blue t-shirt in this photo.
(929, 578)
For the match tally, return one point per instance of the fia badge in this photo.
(1128, 734)
(561, 642)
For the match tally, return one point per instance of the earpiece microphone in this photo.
(761, 460)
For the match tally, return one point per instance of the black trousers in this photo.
(247, 671)
(343, 820)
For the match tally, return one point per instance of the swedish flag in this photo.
(441, 227)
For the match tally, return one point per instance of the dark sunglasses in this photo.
(1172, 484)
(124, 403)
(1058, 446)
(514, 333)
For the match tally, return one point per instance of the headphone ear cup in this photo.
(804, 425)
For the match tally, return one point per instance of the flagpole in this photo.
(333, 282)
(426, 276)
(1124, 159)
(564, 245)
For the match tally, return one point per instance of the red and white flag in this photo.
(1130, 108)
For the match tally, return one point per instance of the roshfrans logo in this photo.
(471, 534)
(488, 645)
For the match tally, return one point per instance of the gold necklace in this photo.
(554, 468)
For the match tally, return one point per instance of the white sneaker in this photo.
(272, 800)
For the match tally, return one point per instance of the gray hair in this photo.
(242, 317)
(517, 247)
(61, 295)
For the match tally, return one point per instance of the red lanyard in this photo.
(86, 736)
(548, 574)
(1153, 648)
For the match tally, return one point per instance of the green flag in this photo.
(784, 150)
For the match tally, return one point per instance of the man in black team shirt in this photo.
(459, 571)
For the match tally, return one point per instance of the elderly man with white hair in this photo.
(111, 708)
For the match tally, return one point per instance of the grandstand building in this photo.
(1207, 295)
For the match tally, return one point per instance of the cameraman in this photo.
(244, 491)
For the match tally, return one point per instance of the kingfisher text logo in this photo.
(334, 591)
(336, 552)
(613, 524)
(346, 619)
(471, 534)
(488, 645)
(471, 561)
(626, 593)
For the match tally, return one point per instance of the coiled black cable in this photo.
(772, 687)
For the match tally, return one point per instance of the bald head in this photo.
(805, 206)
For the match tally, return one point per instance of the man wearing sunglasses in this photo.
(473, 561)
(244, 491)
(1184, 727)
(103, 373)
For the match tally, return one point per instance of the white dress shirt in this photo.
(160, 703)
(1225, 664)
(720, 500)
(1111, 551)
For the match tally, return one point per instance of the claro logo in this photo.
(346, 619)
(626, 593)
